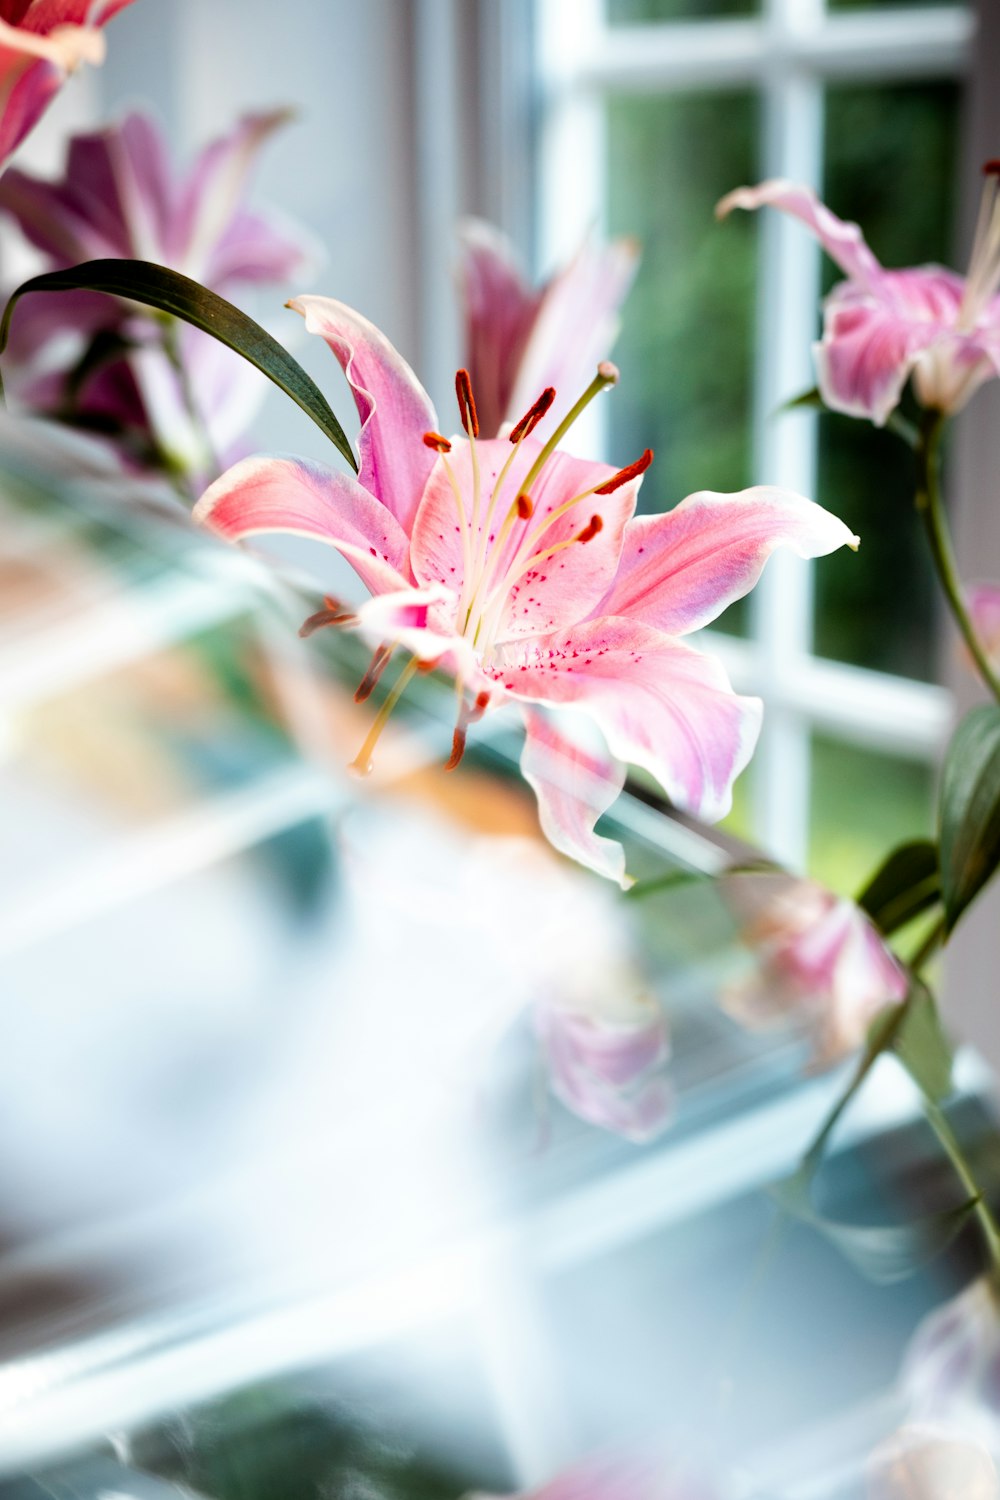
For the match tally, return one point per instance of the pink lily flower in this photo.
(882, 326)
(983, 602)
(607, 1058)
(520, 571)
(819, 961)
(520, 339)
(41, 43)
(932, 1463)
(951, 1368)
(119, 197)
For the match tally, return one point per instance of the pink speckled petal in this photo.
(290, 495)
(658, 704)
(678, 571)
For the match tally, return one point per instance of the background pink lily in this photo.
(41, 43)
(520, 339)
(521, 571)
(882, 326)
(819, 962)
(120, 197)
(983, 602)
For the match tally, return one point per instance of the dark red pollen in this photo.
(991, 168)
(533, 415)
(437, 441)
(594, 525)
(631, 471)
(466, 403)
(525, 506)
(334, 613)
(371, 677)
(457, 748)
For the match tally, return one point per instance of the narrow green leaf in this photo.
(883, 1253)
(169, 292)
(906, 884)
(970, 810)
(921, 1045)
(807, 401)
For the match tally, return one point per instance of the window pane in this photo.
(905, 207)
(622, 12)
(686, 346)
(863, 803)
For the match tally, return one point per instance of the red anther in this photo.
(378, 665)
(525, 507)
(436, 441)
(991, 168)
(533, 415)
(466, 403)
(334, 614)
(631, 471)
(594, 525)
(457, 748)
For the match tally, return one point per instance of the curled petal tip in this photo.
(854, 542)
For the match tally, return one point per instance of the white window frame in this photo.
(789, 54)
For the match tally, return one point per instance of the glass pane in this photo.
(888, 799)
(686, 346)
(906, 209)
(623, 12)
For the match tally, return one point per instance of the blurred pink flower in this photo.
(983, 601)
(607, 1056)
(519, 570)
(818, 961)
(616, 1478)
(882, 326)
(520, 339)
(951, 1368)
(120, 198)
(41, 43)
(932, 1463)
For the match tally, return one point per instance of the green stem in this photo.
(931, 507)
(949, 1141)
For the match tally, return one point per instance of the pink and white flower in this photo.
(882, 326)
(983, 603)
(119, 197)
(520, 339)
(606, 1048)
(951, 1368)
(41, 43)
(819, 962)
(932, 1463)
(521, 571)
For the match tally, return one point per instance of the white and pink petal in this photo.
(575, 784)
(658, 704)
(678, 571)
(304, 499)
(394, 408)
(842, 241)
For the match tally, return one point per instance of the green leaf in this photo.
(807, 401)
(169, 292)
(920, 1043)
(906, 884)
(883, 1253)
(970, 810)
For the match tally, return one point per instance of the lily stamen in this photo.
(379, 662)
(526, 426)
(630, 471)
(334, 613)
(362, 763)
(437, 441)
(466, 715)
